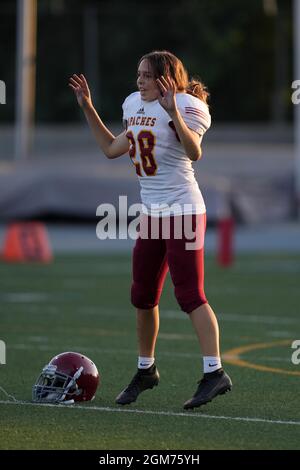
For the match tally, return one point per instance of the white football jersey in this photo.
(165, 172)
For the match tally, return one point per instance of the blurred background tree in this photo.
(241, 50)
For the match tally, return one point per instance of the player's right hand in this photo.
(80, 87)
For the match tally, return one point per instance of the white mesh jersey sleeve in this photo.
(194, 112)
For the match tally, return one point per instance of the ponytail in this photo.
(198, 89)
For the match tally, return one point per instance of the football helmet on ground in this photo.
(69, 377)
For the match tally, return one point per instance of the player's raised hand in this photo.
(167, 98)
(81, 89)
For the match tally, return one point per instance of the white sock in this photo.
(211, 363)
(145, 362)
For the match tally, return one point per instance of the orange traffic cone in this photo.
(26, 241)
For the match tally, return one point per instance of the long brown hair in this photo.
(167, 64)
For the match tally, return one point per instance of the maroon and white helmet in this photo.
(69, 377)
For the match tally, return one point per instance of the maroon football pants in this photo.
(169, 248)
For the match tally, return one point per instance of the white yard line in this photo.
(155, 413)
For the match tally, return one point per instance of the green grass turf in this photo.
(82, 303)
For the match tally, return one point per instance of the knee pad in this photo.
(189, 300)
(143, 297)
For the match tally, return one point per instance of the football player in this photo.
(165, 122)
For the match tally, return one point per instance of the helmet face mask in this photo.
(52, 386)
(69, 377)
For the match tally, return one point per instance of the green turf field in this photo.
(82, 303)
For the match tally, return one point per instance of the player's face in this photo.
(146, 82)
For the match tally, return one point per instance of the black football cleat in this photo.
(143, 380)
(211, 385)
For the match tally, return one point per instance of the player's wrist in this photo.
(87, 106)
(173, 113)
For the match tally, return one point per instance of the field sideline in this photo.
(81, 302)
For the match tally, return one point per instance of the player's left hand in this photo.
(167, 97)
